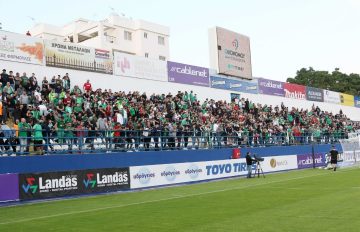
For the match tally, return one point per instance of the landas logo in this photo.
(89, 182)
(30, 186)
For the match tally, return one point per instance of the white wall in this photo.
(118, 83)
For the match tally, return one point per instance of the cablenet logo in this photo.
(89, 182)
(30, 186)
(235, 44)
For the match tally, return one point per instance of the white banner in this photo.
(164, 174)
(74, 56)
(331, 97)
(140, 67)
(21, 48)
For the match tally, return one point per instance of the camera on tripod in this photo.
(258, 159)
(258, 168)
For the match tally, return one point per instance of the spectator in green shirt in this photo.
(24, 128)
(37, 137)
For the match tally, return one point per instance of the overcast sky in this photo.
(285, 35)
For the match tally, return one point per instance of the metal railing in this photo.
(87, 141)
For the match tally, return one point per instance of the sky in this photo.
(285, 35)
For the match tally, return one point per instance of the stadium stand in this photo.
(53, 117)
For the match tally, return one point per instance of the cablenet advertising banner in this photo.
(188, 74)
(271, 87)
(20, 48)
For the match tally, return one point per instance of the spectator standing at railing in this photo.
(37, 135)
(80, 134)
(24, 128)
(60, 127)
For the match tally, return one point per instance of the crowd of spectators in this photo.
(48, 113)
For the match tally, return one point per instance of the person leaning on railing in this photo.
(24, 128)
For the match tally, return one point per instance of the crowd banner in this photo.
(314, 94)
(357, 101)
(59, 184)
(188, 74)
(295, 91)
(74, 56)
(219, 82)
(165, 174)
(307, 160)
(331, 97)
(139, 67)
(21, 48)
(9, 190)
(347, 99)
(271, 87)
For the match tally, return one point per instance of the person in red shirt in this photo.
(87, 86)
(117, 132)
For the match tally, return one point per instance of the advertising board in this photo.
(139, 67)
(188, 74)
(74, 56)
(20, 48)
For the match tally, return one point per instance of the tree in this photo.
(335, 81)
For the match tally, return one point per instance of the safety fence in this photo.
(89, 141)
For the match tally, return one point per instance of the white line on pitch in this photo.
(154, 201)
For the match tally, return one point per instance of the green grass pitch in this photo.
(305, 200)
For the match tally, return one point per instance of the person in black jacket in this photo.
(334, 157)
(249, 162)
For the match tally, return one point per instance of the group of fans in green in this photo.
(55, 113)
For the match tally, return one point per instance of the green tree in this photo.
(335, 81)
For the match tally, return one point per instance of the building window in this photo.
(161, 40)
(127, 35)
(145, 35)
(163, 58)
(146, 55)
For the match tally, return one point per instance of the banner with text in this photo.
(347, 99)
(307, 160)
(74, 56)
(233, 85)
(331, 97)
(58, 184)
(20, 48)
(165, 174)
(139, 67)
(314, 94)
(295, 91)
(187, 74)
(271, 87)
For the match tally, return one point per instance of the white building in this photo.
(116, 33)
